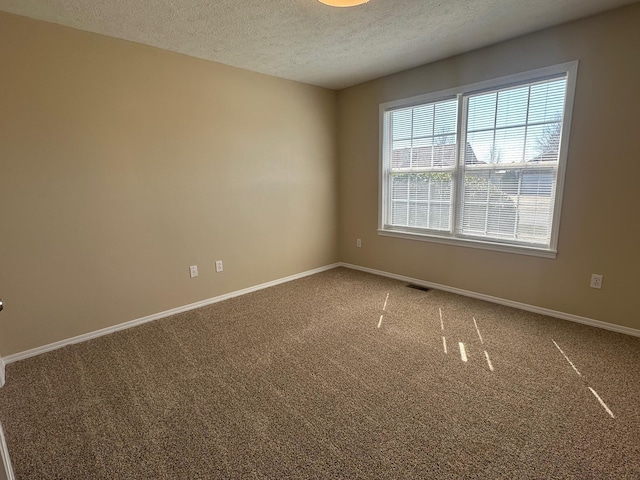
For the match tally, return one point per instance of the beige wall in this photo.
(121, 165)
(600, 227)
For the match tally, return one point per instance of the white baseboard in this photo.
(156, 316)
(1, 372)
(4, 454)
(501, 301)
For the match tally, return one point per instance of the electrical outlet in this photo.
(596, 281)
(358, 243)
(219, 266)
(193, 271)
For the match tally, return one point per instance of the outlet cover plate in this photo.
(596, 281)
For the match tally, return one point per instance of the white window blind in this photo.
(423, 155)
(480, 165)
(510, 167)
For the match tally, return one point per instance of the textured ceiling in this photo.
(308, 41)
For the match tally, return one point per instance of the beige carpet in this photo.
(306, 380)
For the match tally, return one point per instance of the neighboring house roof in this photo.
(550, 156)
(441, 155)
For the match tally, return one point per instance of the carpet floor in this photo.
(338, 375)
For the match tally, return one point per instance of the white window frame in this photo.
(570, 69)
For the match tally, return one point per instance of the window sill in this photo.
(463, 242)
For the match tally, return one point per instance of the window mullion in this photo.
(388, 169)
(457, 175)
(493, 153)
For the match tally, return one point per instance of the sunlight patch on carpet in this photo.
(604, 405)
(463, 352)
(567, 358)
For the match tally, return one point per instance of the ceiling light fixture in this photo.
(343, 3)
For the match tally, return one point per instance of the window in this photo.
(481, 165)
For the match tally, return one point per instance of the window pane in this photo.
(426, 200)
(547, 101)
(423, 121)
(501, 207)
(512, 107)
(510, 204)
(422, 154)
(543, 142)
(444, 155)
(479, 147)
(509, 146)
(488, 210)
(418, 214)
(440, 187)
(425, 135)
(532, 148)
(439, 216)
(400, 187)
(401, 154)
(481, 112)
(446, 119)
(399, 214)
(536, 204)
(538, 183)
(401, 124)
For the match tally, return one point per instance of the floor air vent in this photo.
(418, 287)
